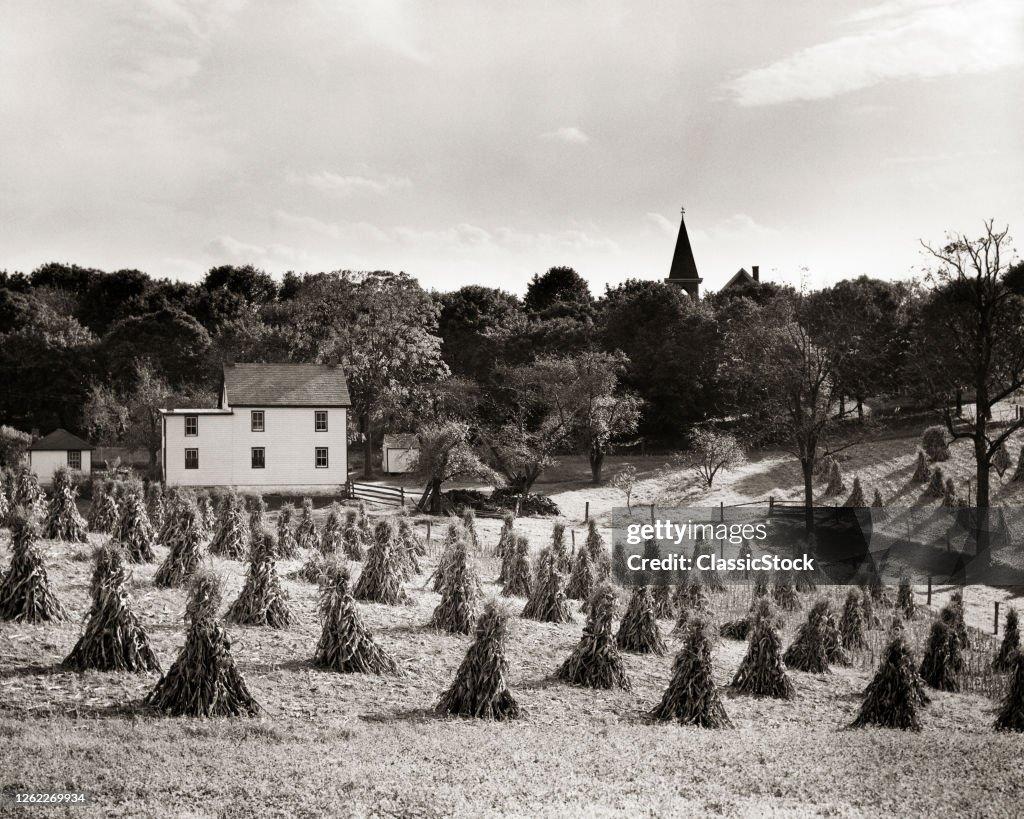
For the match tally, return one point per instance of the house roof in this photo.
(59, 439)
(739, 278)
(401, 440)
(285, 385)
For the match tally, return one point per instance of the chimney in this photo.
(756, 273)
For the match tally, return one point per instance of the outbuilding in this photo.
(59, 449)
(400, 453)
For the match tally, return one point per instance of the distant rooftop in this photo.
(59, 440)
(285, 385)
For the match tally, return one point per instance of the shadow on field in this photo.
(405, 715)
(299, 664)
(32, 670)
(130, 710)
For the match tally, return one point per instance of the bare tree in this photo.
(625, 481)
(972, 336)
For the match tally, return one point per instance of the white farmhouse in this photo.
(277, 427)
(59, 449)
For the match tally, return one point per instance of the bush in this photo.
(498, 501)
(934, 444)
(13, 445)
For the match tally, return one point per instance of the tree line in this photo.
(524, 379)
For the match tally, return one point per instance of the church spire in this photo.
(684, 269)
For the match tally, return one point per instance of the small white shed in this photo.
(400, 453)
(59, 449)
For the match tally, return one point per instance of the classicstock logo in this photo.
(845, 546)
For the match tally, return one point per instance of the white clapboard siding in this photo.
(225, 442)
(44, 462)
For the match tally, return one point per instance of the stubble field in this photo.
(332, 744)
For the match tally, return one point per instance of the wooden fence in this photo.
(375, 493)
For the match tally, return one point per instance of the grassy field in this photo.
(367, 746)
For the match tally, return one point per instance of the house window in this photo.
(191, 425)
(259, 459)
(320, 420)
(191, 459)
(256, 417)
(74, 459)
(321, 457)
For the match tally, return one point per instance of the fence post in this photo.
(573, 533)
(428, 531)
(721, 510)
(403, 496)
(586, 513)
(771, 504)
(929, 590)
(995, 622)
(652, 513)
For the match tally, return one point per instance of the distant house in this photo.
(742, 279)
(400, 452)
(59, 449)
(276, 427)
(683, 272)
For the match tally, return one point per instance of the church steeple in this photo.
(684, 269)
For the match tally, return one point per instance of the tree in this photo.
(714, 451)
(446, 453)
(557, 404)
(625, 480)
(972, 335)
(132, 418)
(112, 297)
(230, 292)
(560, 292)
(674, 352)
(380, 325)
(586, 399)
(177, 346)
(785, 383)
(45, 361)
(864, 321)
(471, 324)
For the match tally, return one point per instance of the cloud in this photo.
(736, 228)
(232, 249)
(337, 183)
(667, 226)
(162, 72)
(568, 134)
(901, 39)
(459, 238)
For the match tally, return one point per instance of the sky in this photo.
(484, 142)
